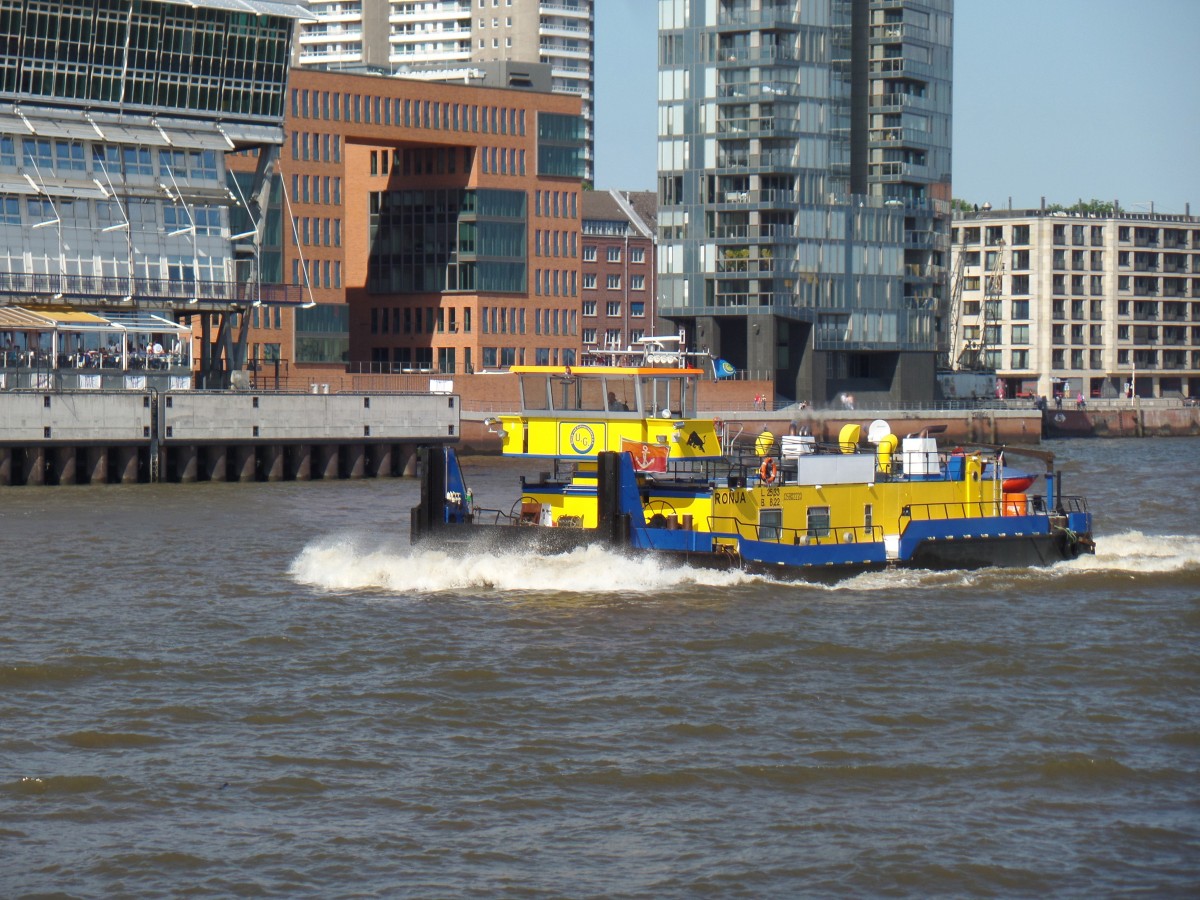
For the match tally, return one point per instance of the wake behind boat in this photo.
(633, 466)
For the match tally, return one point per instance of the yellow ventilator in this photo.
(849, 437)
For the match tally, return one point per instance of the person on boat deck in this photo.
(763, 443)
(615, 404)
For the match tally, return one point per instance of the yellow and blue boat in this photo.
(631, 464)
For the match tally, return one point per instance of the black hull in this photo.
(1000, 552)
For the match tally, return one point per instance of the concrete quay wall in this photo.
(92, 437)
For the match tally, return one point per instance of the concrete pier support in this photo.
(381, 461)
(33, 471)
(187, 464)
(408, 460)
(64, 465)
(216, 463)
(97, 465)
(327, 461)
(6, 466)
(127, 465)
(356, 461)
(302, 462)
(273, 468)
(245, 463)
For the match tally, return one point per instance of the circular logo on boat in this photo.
(583, 439)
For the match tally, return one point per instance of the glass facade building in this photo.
(804, 188)
(115, 119)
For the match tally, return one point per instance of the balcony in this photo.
(899, 65)
(98, 289)
(560, 9)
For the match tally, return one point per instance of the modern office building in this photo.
(115, 118)
(443, 39)
(434, 228)
(804, 188)
(1059, 302)
(617, 266)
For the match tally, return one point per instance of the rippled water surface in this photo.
(261, 690)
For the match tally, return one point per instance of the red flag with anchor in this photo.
(646, 457)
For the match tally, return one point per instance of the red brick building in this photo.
(434, 227)
(618, 269)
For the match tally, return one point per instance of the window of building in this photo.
(589, 282)
(637, 254)
(637, 282)
(589, 253)
(613, 282)
(589, 307)
(1020, 334)
(613, 308)
(637, 309)
(614, 254)
(1020, 309)
(1020, 359)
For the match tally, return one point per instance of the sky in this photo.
(1062, 99)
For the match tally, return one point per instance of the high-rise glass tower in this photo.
(453, 34)
(804, 188)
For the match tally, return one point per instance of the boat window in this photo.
(578, 393)
(534, 393)
(662, 396)
(621, 395)
(770, 524)
(818, 521)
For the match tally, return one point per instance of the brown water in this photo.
(261, 690)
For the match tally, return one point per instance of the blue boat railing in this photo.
(732, 526)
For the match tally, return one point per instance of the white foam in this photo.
(350, 563)
(347, 564)
(1134, 551)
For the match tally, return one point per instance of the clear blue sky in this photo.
(1068, 99)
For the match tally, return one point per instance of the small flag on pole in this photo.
(723, 369)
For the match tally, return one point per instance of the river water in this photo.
(261, 690)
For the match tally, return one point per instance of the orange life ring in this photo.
(768, 471)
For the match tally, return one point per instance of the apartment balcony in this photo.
(558, 51)
(757, 19)
(897, 102)
(346, 15)
(745, 55)
(565, 30)
(896, 32)
(462, 36)
(562, 9)
(432, 13)
(899, 136)
(745, 92)
(898, 171)
(896, 66)
(404, 54)
(744, 233)
(324, 35)
(777, 126)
